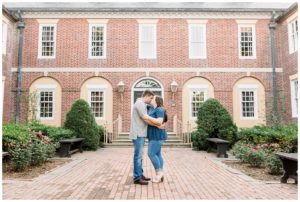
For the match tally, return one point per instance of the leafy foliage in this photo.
(81, 120)
(213, 121)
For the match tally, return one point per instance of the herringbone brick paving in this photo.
(107, 174)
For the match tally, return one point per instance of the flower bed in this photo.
(29, 147)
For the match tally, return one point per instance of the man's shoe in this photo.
(145, 178)
(141, 182)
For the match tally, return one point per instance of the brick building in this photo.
(186, 52)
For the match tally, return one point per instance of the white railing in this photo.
(177, 127)
(117, 127)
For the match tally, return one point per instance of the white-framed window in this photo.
(198, 95)
(147, 41)
(248, 101)
(293, 36)
(294, 97)
(97, 41)
(247, 41)
(197, 41)
(96, 96)
(4, 37)
(47, 41)
(46, 102)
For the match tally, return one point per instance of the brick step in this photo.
(181, 145)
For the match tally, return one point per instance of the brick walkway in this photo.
(107, 174)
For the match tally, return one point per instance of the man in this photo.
(138, 133)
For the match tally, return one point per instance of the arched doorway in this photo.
(146, 83)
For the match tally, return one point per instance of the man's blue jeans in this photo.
(154, 153)
(138, 157)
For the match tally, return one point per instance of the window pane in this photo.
(46, 104)
(47, 43)
(97, 103)
(196, 101)
(97, 41)
(246, 43)
(247, 103)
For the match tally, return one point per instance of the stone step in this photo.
(127, 133)
(129, 141)
(182, 145)
(126, 138)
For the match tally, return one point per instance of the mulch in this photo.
(32, 171)
(254, 172)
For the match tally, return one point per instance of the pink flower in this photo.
(40, 134)
(264, 145)
(255, 148)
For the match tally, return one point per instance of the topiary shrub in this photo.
(199, 140)
(214, 120)
(81, 120)
(101, 133)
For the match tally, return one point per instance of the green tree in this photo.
(214, 121)
(81, 120)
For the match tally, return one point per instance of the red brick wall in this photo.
(8, 60)
(289, 63)
(122, 45)
(172, 51)
(71, 83)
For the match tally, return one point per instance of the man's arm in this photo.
(152, 121)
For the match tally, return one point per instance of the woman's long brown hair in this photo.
(160, 103)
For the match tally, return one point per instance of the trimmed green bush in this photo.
(54, 133)
(255, 157)
(26, 146)
(81, 120)
(284, 136)
(199, 140)
(273, 165)
(21, 157)
(14, 135)
(213, 119)
(101, 133)
(241, 151)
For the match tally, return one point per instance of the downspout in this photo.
(20, 27)
(272, 27)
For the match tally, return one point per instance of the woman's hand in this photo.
(162, 126)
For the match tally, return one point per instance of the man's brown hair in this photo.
(147, 93)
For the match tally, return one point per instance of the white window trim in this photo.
(4, 37)
(49, 88)
(155, 41)
(102, 88)
(248, 88)
(204, 43)
(90, 41)
(254, 41)
(40, 42)
(152, 89)
(194, 88)
(291, 43)
(293, 103)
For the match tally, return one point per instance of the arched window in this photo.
(146, 83)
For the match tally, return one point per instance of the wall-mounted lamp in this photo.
(121, 88)
(174, 86)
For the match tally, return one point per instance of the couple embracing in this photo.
(148, 121)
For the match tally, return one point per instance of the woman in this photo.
(157, 136)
